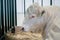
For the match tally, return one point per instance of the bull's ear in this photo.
(42, 12)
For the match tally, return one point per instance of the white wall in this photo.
(20, 18)
(20, 12)
(46, 2)
(38, 1)
(27, 3)
(57, 2)
(20, 5)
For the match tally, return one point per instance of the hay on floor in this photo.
(21, 35)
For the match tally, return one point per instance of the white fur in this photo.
(41, 23)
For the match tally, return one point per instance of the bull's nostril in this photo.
(23, 28)
(33, 16)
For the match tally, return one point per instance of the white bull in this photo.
(32, 14)
(45, 23)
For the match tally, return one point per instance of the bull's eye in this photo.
(42, 12)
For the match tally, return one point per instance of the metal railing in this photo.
(8, 17)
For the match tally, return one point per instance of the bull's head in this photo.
(34, 11)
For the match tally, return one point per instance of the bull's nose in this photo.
(33, 16)
(23, 29)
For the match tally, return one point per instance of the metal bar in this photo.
(33, 1)
(24, 6)
(5, 15)
(50, 2)
(15, 14)
(8, 14)
(41, 2)
(11, 13)
(0, 20)
(13, 30)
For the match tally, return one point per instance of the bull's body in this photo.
(52, 30)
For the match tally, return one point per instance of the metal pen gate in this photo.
(8, 17)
